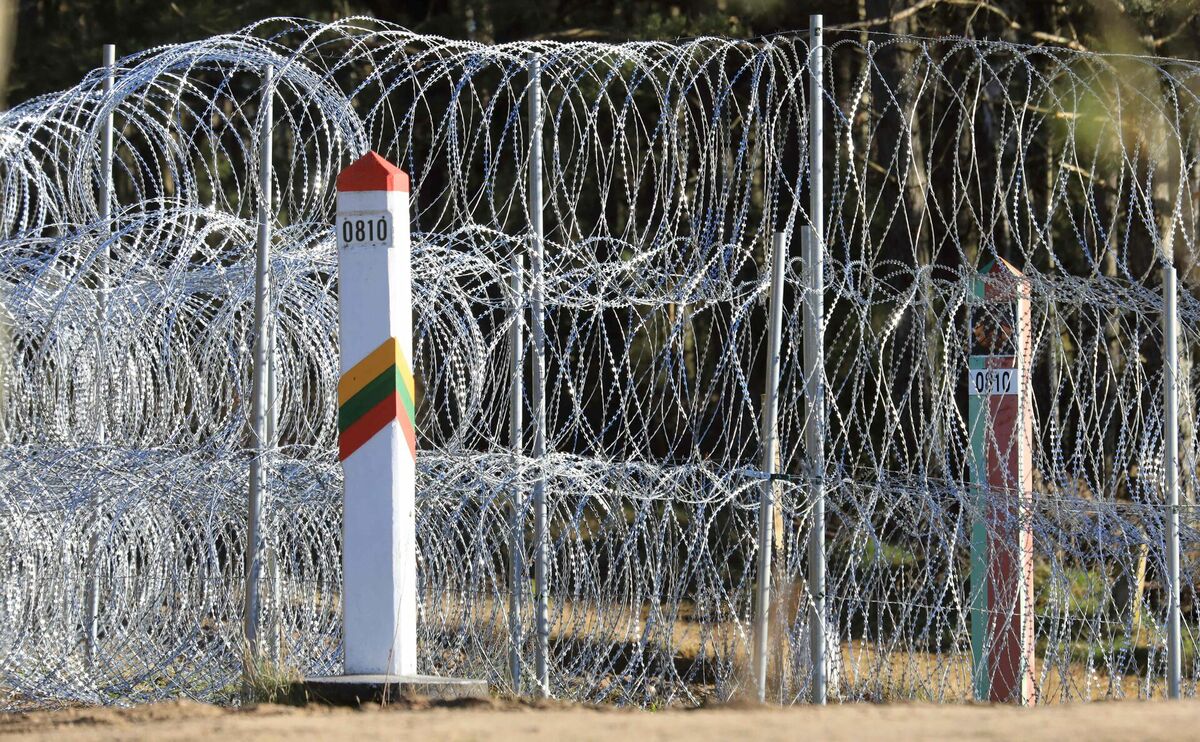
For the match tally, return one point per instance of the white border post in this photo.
(109, 56)
(377, 419)
(258, 413)
(516, 433)
(1171, 464)
(377, 444)
(814, 352)
(766, 502)
(537, 397)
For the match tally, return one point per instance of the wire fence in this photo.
(668, 167)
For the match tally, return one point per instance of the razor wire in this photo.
(668, 166)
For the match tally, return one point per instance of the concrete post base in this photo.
(353, 690)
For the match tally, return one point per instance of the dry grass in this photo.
(867, 670)
(265, 680)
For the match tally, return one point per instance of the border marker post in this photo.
(377, 443)
(377, 439)
(1001, 426)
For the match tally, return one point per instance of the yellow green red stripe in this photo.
(365, 371)
(376, 391)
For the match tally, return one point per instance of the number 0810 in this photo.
(365, 230)
(991, 381)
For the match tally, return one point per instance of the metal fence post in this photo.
(106, 181)
(538, 393)
(91, 620)
(814, 354)
(1171, 466)
(259, 412)
(516, 433)
(273, 599)
(814, 451)
(766, 502)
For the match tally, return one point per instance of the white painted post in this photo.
(376, 418)
(814, 352)
(516, 434)
(1171, 465)
(537, 397)
(258, 412)
(770, 440)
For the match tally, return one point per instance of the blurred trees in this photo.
(58, 40)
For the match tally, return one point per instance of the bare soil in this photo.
(509, 720)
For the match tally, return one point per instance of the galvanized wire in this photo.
(667, 168)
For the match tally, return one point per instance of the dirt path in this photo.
(495, 721)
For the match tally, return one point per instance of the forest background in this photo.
(52, 43)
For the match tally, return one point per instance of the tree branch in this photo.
(977, 5)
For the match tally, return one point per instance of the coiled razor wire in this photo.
(126, 357)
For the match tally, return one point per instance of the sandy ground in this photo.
(484, 720)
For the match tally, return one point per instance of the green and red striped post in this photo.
(1001, 427)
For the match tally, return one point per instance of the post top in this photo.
(1001, 266)
(372, 172)
(1000, 280)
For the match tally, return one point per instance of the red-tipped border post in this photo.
(1001, 427)
(377, 443)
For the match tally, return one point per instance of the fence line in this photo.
(646, 183)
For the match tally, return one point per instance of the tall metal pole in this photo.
(259, 406)
(106, 180)
(274, 596)
(516, 434)
(1171, 463)
(766, 502)
(272, 371)
(814, 354)
(538, 393)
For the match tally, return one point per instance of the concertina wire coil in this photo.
(667, 168)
